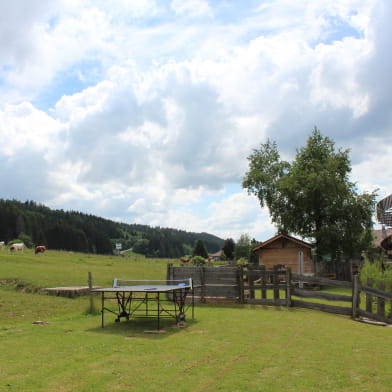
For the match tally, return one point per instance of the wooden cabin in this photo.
(383, 239)
(287, 251)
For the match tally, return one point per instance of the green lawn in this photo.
(226, 347)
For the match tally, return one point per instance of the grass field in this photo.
(226, 347)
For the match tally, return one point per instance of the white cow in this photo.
(16, 247)
(2, 245)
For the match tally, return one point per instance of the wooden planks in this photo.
(278, 287)
(70, 292)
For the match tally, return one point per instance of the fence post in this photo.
(288, 287)
(250, 283)
(90, 286)
(355, 296)
(169, 272)
(381, 301)
(264, 283)
(240, 273)
(203, 284)
(369, 297)
(275, 281)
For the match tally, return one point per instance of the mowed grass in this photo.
(226, 347)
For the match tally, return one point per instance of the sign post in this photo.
(118, 247)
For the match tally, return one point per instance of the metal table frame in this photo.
(149, 301)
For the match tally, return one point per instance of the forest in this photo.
(36, 224)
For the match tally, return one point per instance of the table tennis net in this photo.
(175, 283)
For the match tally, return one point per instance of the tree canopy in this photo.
(200, 249)
(244, 249)
(313, 196)
(228, 248)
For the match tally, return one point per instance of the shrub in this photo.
(26, 239)
(376, 270)
(223, 257)
(198, 260)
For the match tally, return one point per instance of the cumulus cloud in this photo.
(193, 8)
(145, 111)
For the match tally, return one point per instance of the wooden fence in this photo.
(375, 301)
(213, 284)
(280, 287)
(260, 281)
(321, 295)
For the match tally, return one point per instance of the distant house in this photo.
(383, 239)
(286, 251)
(215, 256)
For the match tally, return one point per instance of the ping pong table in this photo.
(148, 299)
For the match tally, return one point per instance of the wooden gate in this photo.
(260, 282)
(313, 282)
(213, 284)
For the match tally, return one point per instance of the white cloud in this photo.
(238, 214)
(157, 105)
(374, 172)
(23, 127)
(335, 81)
(193, 8)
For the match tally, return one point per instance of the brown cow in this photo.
(40, 249)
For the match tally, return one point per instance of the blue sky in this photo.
(145, 111)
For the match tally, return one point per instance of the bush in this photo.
(222, 257)
(198, 260)
(376, 270)
(26, 239)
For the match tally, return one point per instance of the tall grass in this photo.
(377, 270)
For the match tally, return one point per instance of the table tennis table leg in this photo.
(193, 304)
(103, 306)
(158, 306)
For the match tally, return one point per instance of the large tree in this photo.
(313, 196)
(242, 247)
(200, 249)
(228, 248)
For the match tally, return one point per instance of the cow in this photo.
(40, 249)
(16, 247)
(2, 245)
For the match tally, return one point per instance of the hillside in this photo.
(37, 224)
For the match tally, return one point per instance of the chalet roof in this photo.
(217, 254)
(379, 235)
(383, 238)
(285, 236)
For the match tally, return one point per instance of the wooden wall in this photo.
(212, 283)
(285, 252)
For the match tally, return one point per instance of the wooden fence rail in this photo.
(280, 287)
(375, 301)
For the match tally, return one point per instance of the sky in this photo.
(145, 111)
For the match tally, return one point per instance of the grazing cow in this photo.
(2, 245)
(40, 249)
(16, 247)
